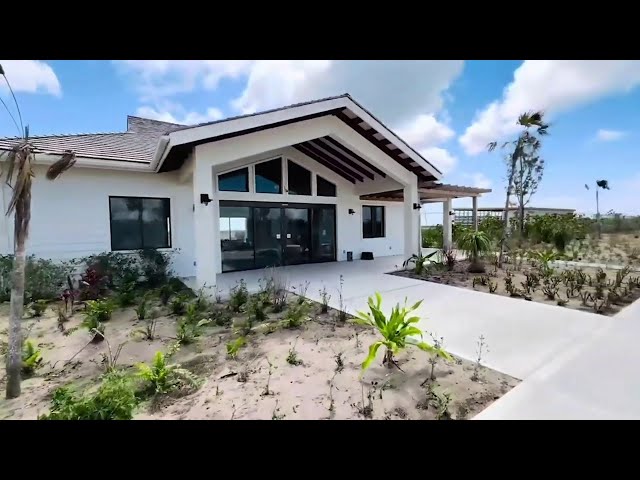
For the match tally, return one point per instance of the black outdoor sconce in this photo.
(204, 198)
(351, 211)
(417, 206)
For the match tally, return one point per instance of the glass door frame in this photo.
(283, 239)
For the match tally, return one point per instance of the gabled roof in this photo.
(136, 145)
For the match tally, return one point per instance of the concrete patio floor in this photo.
(521, 336)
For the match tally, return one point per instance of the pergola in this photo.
(433, 192)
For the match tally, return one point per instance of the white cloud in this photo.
(553, 86)
(409, 95)
(188, 118)
(30, 76)
(480, 180)
(609, 135)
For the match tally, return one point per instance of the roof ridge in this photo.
(59, 135)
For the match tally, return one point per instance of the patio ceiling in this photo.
(429, 192)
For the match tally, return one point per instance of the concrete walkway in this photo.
(522, 336)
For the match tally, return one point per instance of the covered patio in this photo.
(433, 192)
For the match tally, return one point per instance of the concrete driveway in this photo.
(522, 336)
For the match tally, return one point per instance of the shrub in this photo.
(432, 237)
(222, 317)
(101, 310)
(38, 307)
(492, 226)
(325, 297)
(44, 279)
(178, 305)
(31, 358)
(188, 331)
(296, 315)
(164, 293)
(93, 284)
(126, 294)
(397, 331)
(234, 347)
(94, 327)
(114, 400)
(118, 268)
(239, 296)
(142, 309)
(155, 266)
(256, 309)
(163, 377)
(419, 262)
(474, 244)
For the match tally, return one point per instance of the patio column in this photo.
(411, 219)
(475, 213)
(206, 251)
(447, 236)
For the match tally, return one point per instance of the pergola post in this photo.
(475, 213)
(447, 234)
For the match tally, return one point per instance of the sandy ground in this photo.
(459, 277)
(244, 388)
(612, 248)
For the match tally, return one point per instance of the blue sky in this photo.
(447, 109)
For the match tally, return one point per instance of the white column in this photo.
(475, 213)
(411, 219)
(447, 236)
(207, 251)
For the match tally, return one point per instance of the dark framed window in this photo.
(325, 187)
(372, 221)
(138, 222)
(299, 179)
(269, 176)
(236, 181)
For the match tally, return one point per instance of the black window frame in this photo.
(373, 233)
(320, 178)
(169, 233)
(247, 180)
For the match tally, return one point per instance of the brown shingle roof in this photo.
(137, 144)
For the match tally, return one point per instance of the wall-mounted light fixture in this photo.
(204, 198)
(451, 212)
(351, 211)
(417, 206)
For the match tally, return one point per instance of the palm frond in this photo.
(67, 161)
(604, 184)
(15, 100)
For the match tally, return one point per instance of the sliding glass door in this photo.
(259, 235)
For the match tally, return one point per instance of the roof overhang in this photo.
(429, 192)
(174, 147)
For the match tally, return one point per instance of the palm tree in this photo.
(19, 177)
(524, 140)
(600, 184)
(474, 244)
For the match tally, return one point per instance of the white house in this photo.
(299, 184)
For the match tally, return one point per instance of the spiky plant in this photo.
(18, 175)
(474, 244)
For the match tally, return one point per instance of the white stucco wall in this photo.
(70, 216)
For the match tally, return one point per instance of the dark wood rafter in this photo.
(382, 145)
(332, 161)
(321, 161)
(319, 144)
(354, 155)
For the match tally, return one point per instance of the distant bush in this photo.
(44, 279)
(432, 237)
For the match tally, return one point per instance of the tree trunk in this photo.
(598, 224)
(14, 355)
(505, 218)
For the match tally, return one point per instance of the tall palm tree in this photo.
(600, 184)
(19, 176)
(526, 139)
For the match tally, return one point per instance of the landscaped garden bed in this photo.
(165, 352)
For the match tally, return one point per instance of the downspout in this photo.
(158, 157)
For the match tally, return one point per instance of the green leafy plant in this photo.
(38, 307)
(163, 377)
(441, 402)
(234, 346)
(292, 357)
(296, 315)
(474, 244)
(101, 310)
(164, 293)
(154, 265)
(142, 310)
(114, 400)
(126, 294)
(178, 305)
(95, 328)
(221, 317)
(550, 287)
(302, 291)
(493, 286)
(325, 297)
(255, 309)
(239, 296)
(31, 358)
(432, 237)
(118, 268)
(419, 261)
(149, 331)
(187, 332)
(397, 331)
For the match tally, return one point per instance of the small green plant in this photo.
(482, 349)
(302, 291)
(100, 310)
(38, 307)
(292, 358)
(192, 313)
(474, 244)
(114, 400)
(149, 331)
(222, 317)
(480, 280)
(163, 377)
(550, 286)
(126, 294)
(178, 305)
(433, 360)
(233, 347)
(31, 358)
(325, 297)
(142, 310)
(164, 293)
(397, 331)
(493, 286)
(419, 261)
(256, 310)
(441, 402)
(561, 302)
(95, 328)
(239, 296)
(187, 332)
(339, 362)
(296, 315)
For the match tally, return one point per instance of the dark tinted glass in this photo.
(372, 222)
(236, 181)
(269, 176)
(299, 179)
(140, 223)
(325, 187)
